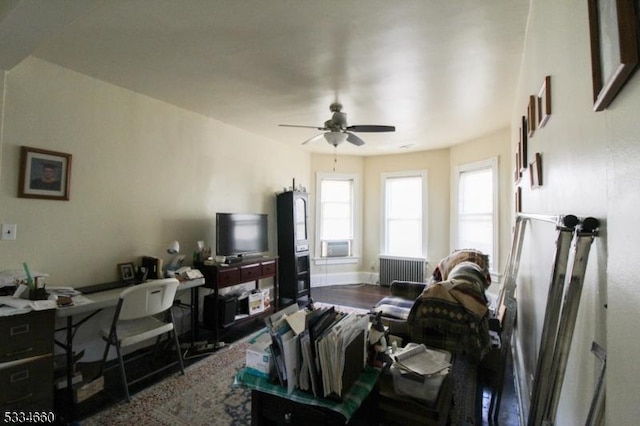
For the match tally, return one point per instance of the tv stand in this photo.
(248, 269)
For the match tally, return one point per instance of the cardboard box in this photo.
(87, 390)
(259, 359)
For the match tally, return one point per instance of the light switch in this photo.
(9, 231)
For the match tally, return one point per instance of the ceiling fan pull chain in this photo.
(335, 157)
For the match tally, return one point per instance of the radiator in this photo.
(401, 268)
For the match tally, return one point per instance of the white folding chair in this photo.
(137, 319)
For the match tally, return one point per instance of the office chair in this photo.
(137, 319)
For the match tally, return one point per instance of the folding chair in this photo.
(137, 319)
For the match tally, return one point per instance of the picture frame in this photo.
(522, 144)
(531, 116)
(614, 48)
(544, 102)
(44, 174)
(516, 170)
(127, 271)
(518, 199)
(535, 171)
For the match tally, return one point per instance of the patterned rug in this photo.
(202, 396)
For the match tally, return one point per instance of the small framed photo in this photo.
(127, 272)
(544, 102)
(44, 174)
(614, 47)
(516, 170)
(518, 200)
(531, 116)
(535, 171)
(522, 145)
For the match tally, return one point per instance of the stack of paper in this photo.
(421, 361)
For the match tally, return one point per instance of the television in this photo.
(239, 234)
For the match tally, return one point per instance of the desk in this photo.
(270, 402)
(107, 299)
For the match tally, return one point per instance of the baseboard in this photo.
(343, 278)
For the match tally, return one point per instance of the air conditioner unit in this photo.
(336, 248)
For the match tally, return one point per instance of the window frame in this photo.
(355, 218)
(424, 175)
(490, 163)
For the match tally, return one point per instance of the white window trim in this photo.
(470, 167)
(357, 220)
(425, 208)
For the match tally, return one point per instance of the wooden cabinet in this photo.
(26, 361)
(218, 276)
(293, 246)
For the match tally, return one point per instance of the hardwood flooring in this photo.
(366, 296)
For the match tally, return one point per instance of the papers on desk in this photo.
(421, 361)
(320, 351)
(10, 305)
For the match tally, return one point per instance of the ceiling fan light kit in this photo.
(337, 130)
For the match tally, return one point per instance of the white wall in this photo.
(143, 174)
(589, 169)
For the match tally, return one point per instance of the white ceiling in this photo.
(441, 71)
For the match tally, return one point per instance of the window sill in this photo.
(335, 260)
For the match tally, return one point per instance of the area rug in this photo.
(202, 396)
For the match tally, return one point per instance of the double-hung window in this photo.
(336, 215)
(476, 208)
(405, 214)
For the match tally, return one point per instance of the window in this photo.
(404, 222)
(476, 208)
(336, 210)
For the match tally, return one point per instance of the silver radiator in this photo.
(401, 268)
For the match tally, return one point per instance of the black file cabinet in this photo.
(293, 246)
(26, 361)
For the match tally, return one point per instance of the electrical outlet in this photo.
(9, 231)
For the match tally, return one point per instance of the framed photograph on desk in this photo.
(127, 272)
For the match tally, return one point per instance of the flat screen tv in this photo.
(239, 234)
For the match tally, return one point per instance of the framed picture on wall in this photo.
(544, 102)
(518, 200)
(522, 145)
(531, 116)
(535, 171)
(44, 174)
(614, 48)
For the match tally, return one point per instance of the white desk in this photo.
(107, 299)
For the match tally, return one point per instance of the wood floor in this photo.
(366, 296)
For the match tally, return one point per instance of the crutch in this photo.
(565, 227)
(598, 395)
(585, 235)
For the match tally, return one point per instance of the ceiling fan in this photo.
(337, 129)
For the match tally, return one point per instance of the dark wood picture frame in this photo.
(516, 170)
(518, 199)
(535, 171)
(531, 116)
(127, 271)
(544, 102)
(614, 56)
(522, 145)
(44, 174)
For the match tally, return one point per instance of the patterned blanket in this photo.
(453, 314)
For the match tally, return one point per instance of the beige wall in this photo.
(590, 169)
(143, 174)
(439, 165)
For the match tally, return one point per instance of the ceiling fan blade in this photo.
(313, 139)
(354, 139)
(304, 127)
(371, 128)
